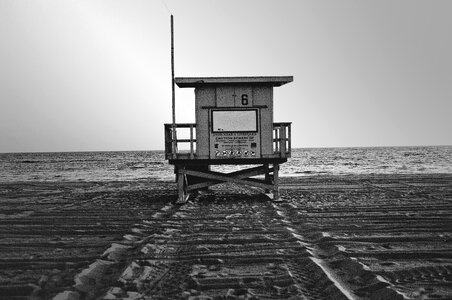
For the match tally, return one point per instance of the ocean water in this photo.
(142, 165)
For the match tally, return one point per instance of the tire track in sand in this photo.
(219, 246)
(386, 237)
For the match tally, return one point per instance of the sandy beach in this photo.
(332, 237)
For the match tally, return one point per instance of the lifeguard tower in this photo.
(234, 126)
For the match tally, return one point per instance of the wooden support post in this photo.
(192, 178)
(267, 177)
(176, 171)
(182, 185)
(275, 182)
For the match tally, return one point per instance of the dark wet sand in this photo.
(338, 237)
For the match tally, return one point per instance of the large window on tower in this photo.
(234, 120)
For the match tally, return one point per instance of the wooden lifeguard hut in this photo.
(234, 126)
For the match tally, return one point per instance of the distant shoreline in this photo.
(294, 148)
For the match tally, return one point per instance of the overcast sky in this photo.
(95, 74)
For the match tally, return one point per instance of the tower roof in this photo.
(260, 80)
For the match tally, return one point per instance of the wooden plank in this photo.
(237, 174)
(180, 125)
(198, 161)
(225, 178)
(244, 173)
(249, 181)
(186, 140)
(201, 185)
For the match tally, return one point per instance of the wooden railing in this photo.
(177, 148)
(282, 139)
(173, 149)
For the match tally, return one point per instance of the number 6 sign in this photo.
(244, 99)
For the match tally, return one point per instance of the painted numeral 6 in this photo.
(244, 99)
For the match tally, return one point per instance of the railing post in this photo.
(169, 142)
(283, 140)
(273, 139)
(191, 142)
(174, 142)
(290, 138)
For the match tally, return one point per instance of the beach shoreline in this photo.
(378, 236)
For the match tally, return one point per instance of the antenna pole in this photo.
(174, 143)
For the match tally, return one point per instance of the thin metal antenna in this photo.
(173, 90)
(166, 6)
